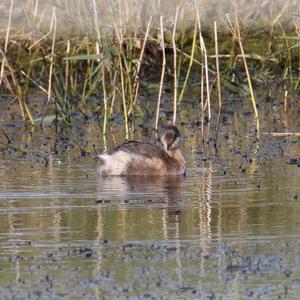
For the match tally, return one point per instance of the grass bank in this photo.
(76, 50)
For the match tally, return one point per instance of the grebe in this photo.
(137, 158)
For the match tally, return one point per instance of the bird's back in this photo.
(136, 158)
(146, 150)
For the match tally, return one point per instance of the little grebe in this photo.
(137, 158)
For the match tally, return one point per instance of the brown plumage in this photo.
(137, 158)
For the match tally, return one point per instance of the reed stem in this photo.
(6, 39)
(162, 75)
(66, 84)
(201, 73)
(139, 63)
(53, 30)
(175, 67)
(190, 63)
(217, 66)
(123, 97)
(239, 39)
(204, 55)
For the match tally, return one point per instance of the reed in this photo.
(201, 75)
(217, 66)
(67, 74)
(124, 98)
(235, 30)
(49, 93)
(162, 71)
(111, 56)
(17, 90)
(138, 67)
(175, 66)
(6, 38)
(105, 100)
(191, 62)
(101, 61)
(204, 70)
(283, 134)
(285, 101)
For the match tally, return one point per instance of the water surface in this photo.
(230, 229)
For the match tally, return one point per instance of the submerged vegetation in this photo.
(97, 57)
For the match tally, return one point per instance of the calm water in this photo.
(230, 229)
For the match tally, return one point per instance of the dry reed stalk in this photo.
(162, 71)
(38, 85)
(285, 101)
(139, 63)
(6, 39)
(124, 61)
(53, 30)
(283, 134)
(66, 84)
(217, 66)
(218, 85)
(175, 67)
(98, 46)
(206, 78)
(202, 97)
(5, 135)
(35, 8)
(202, 74)
(288, 64)
(217, 130)
(181, 39)
(248, 56)
(113, 94)
(204, 53)
(104, 142)
(190, 63)
(104, 99)
(123, 96)
(33, 81)
(284, 8)
(297, 29)
(40, 39)
(67, 7)
(237, 36)
(113, 98)
(119, 36)
(18, 91)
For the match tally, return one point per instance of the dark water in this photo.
(230, 229)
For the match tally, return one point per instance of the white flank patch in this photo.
(116, 163)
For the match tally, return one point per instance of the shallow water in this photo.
(230, 229)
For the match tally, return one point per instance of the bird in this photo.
(139, 158)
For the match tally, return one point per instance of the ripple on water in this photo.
(229, 229)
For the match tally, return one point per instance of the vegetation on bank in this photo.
(109, 50)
